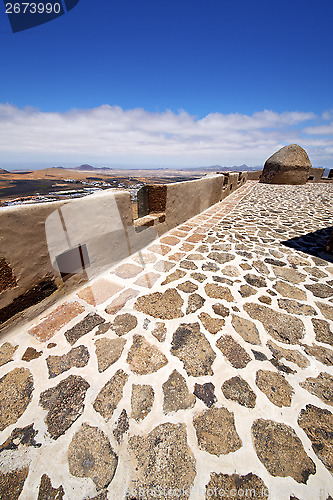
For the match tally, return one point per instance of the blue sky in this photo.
(168, 83)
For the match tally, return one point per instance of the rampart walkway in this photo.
(201, 367)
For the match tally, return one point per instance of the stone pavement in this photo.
(199, 368)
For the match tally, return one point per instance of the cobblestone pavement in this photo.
(201, 367)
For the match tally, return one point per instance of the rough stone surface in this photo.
(191, 346)
(108, 351)
(213, 325)
(221, 257)
(237, 389)
(142, 401)
(281, 451)
(275, 387)
(205, 392)
(15, 394)
(247, 291)
(121, 427)
(289, 165)
(90, 455)
(234, 352)
(65, 403)
(246, 329)
(288, 274)
(317, 423)
(176, 394)
(110, 395)
(187, 287)
(47, 492)
(165, 305)
(6, 353)
(235, 486)
(323, 331)
(294, 307)
(221, 310)
(159, 332)
(124, 323)
(289, 291)
(322, 354)
(31, 353)
(255, 280)
(163, 458)
(11, 483)
(83, 327)
(280, 326)
(176, 275)
(320, 290)
(321, 386)
(326, 310)
(195, 302)
(21, 436)
(289, 355)
(218, 292)
(144, 358)
(216, 432)
(78, 357)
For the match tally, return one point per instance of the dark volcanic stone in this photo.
(193, 349)
(317, 423)
(11, 483)
(320, 290)
(24, 436)
(275, 262)
(78, 357)
(90, 455)
(294, 307)
(234, 352)
(65, 403)
(83, 327)
(254, 280)
(259, 356)
(210, 266)
(281, 451)
(47, 492)
(205, 392)
(15, 394)
(237, 389)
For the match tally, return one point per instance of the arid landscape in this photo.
(52, 184)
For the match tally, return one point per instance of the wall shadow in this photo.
(312, 243)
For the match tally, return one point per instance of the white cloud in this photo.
(111, 135)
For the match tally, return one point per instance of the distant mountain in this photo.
(89, 168)
(2, 171)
